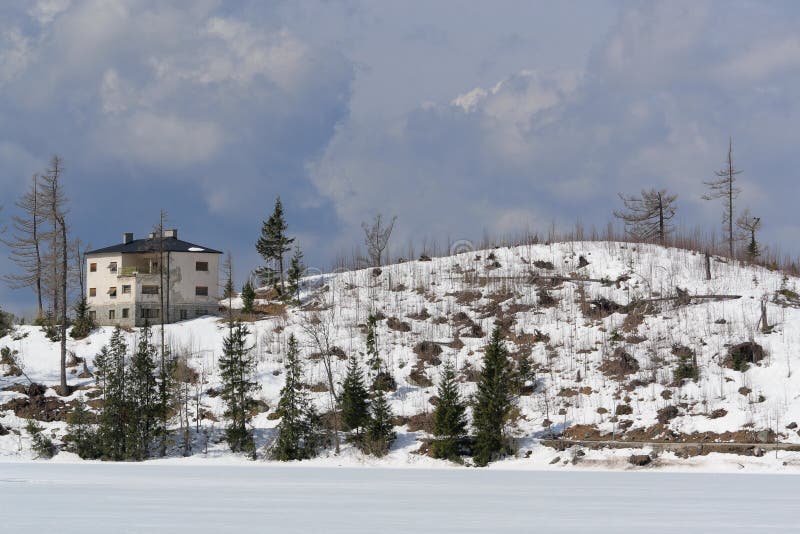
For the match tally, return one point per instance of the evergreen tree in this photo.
(237, 369)
(144, 400)
(273, 245)
(81, 437)
(354, 399)
(299, 429)
(294, 275)
(248, 297)
(449, 417)
(41, 444)
(6, 323)
(83, 324)
(493, 402)
(114, 416)
(373, 359)
(380, 429)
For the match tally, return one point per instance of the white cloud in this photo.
(763, 60)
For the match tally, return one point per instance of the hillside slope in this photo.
(599, 319)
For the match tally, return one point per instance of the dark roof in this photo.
(171, 244)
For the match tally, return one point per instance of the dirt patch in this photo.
(466, 296)
(546, 265)
(742, 355)
(319, 387)
(545, 299)
(420, 422)
(620, 365)
(397, 325)
(39, 407)
(384, 381)
(639, 460)
(420, 315)
(667, 414)
(418, 377)
(567, 392)
(600, 308)
(428, 352)
(623, 409)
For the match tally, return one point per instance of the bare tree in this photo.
(320, 328)
(749, 225)
(647, 216)
(376, 237)
(724, 187)
(26, 245)
(164, 371)
(53, 202)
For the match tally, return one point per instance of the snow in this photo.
(196, 249)
(88, 498)
(577, 345)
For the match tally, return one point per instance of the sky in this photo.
(461, 118)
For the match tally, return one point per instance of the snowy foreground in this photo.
(153, 497)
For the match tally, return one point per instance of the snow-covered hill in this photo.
(599, 320)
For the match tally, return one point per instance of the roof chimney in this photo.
(173, 233)
(127, 237)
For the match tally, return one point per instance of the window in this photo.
(92, 291)
(150, 313)
(112, 266)
(92, 267)
(112, 314)
(112, 292)
(184, 315)
(201, 266)
(201, 291)
(125, 313)
(126, 289)
(149, 290)
(198, 312)
(93, 315)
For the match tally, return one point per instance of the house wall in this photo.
(137, 271)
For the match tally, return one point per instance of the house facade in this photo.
(124, 282)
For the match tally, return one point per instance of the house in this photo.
(124, 282)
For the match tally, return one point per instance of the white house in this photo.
(123, 282)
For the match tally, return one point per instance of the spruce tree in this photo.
(81, 437)
(380, 429)
(299, 429)
(449, 417)
(115, 414)
(6, 323)
(294, 275)
(272, 245)
(248, 297)
(354, 398)
(144, 399)
(373, 359)
(83, 323)
(493, 402)
(237, 368)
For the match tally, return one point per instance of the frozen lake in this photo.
(123, 498)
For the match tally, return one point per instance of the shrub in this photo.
(42, 445)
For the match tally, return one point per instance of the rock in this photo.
(376, 272)
(639, 459)
(792, 425)
(582, 262)
(555, 460)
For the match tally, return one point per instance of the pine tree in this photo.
(81, 436)
(273, 245)
(354, 398)
(248, 297)
(83, 323)
(41, 444)
(237, 369)
(373, 359)
(6, 323)
(144, 400)
(294, 275)
(298, 432)
(380, 429)
(493, 402)
(115, 413)
(449, 417)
